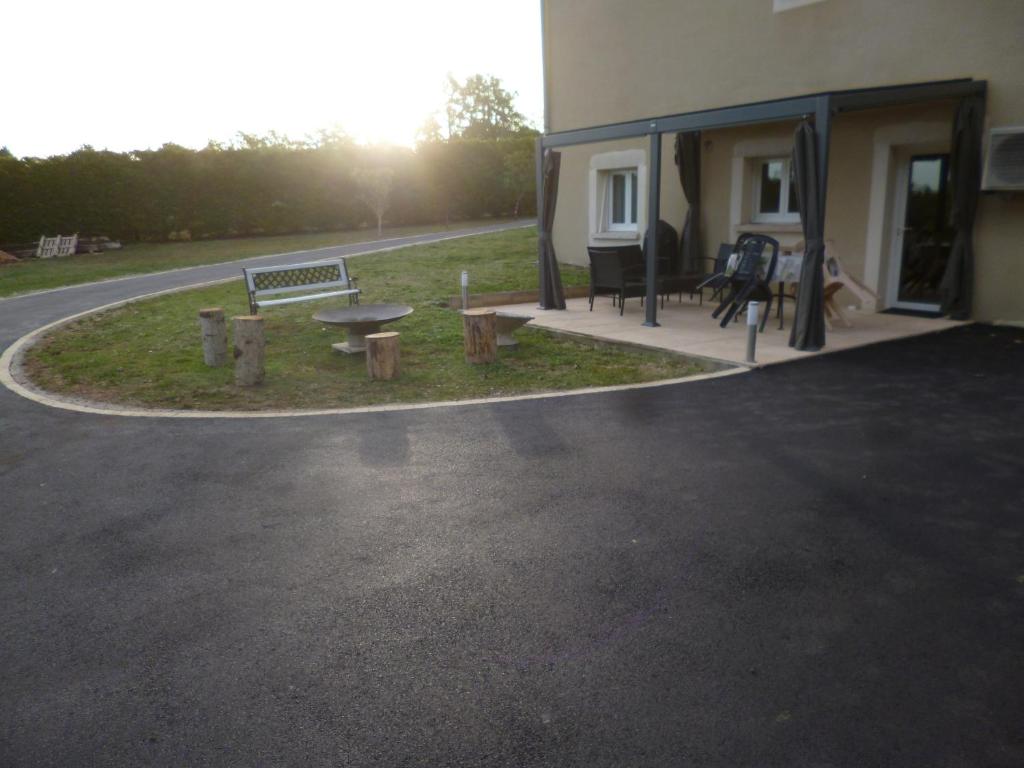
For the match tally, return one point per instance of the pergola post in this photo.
(538, 163)
(539, 173)
(653, 212)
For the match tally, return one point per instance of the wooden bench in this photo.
(327, 278)
(51, 247)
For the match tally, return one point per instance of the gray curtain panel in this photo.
(957, 286)
(688, 163)
(552, 296)
(808, 331)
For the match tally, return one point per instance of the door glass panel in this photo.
(927, 234)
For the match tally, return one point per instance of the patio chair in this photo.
(671, 278)
(617, 272)
(717, 280)
(751, 279)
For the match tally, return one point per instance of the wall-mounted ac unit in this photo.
(1004, 163)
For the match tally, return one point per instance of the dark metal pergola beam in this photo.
(767, 111)
(890, 96)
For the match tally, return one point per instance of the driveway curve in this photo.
(820, 563)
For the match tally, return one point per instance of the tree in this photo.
(520, 172)
(429, 132)
(374, 185)
(481, 108)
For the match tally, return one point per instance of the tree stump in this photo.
(382, 356)
(215, 336)
(480, 336)
(249, 350)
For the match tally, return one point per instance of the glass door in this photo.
(924, 239)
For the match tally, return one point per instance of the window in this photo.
(622, 200)
(616, 196)
(774, 195)
(778, 6)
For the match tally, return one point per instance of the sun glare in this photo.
(191, 71)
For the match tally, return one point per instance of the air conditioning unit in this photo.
(1004, 163)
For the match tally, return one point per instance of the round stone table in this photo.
(360, 320)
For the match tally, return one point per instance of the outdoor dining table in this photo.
(360, 320)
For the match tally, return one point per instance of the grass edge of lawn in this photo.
(22, 376)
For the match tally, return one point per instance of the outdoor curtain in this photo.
(688, 163)
(957, 284)
(551, 294)
(808, 331)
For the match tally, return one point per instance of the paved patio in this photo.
(688, 328)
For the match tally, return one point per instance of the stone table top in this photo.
(363, 313)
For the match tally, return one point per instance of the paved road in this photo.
(21, 314)
(818, 564)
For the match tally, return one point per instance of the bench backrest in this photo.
(312, 276)
(56, 246)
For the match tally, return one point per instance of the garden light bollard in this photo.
(751, 330)
(465, 289)
(215, 336)
(249, 350)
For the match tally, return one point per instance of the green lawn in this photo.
(137, 258)
(149, 353)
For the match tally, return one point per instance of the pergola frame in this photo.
(822, 106)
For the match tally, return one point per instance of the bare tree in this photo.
(375, 192)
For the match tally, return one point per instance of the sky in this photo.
(134, 75)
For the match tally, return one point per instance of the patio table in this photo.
(360, 320)
(787, 270)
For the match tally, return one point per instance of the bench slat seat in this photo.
(293, 299)
(320, 276)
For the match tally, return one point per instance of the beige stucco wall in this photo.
(700, 55)
(571, 216)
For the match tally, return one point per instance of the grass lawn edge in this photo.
(122, 357)
(16, 379)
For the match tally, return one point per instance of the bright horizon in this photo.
(124, 76)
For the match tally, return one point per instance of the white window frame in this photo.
(631, 180)
(784, 216)
(602, 166)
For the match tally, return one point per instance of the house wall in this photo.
(572, 220)
(700, 55)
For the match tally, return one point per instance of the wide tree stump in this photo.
(215, 336)
(249, 350)
(382, 356)
(480, 336)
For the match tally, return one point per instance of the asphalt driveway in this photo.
(817, 564)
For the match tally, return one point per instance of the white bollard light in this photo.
(752, 308)
(465, 289)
